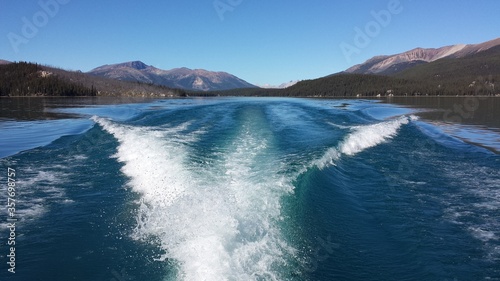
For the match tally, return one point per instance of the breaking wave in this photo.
(361, 138)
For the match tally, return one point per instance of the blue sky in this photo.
(260, 41)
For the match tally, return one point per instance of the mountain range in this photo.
(472, 69)
(388, 65)
(203, 80)
(458, 70)
(180, 78)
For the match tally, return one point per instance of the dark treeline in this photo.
(353, 85)
(339, 85)
(28, 79)
(242, 92)
(366, 85)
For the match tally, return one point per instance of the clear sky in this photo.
(260, 41)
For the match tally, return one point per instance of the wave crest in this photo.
(361, 138)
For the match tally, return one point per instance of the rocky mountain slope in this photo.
(182, 78)
(460, 70)
(388, 65)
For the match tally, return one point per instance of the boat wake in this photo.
(217, 222)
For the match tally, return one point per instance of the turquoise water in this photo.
(249, 189)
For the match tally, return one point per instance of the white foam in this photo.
(34, 190)
(479, 217)
(343, 127)
(42, 176)
(371, 135)
(483, 234)
(361, 138)
(33, 211)
(328, 159)
(218, 221)
(151, 163)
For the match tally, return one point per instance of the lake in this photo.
(250, 189)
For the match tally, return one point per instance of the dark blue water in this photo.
(249, 189)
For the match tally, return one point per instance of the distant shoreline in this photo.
(474, 110)
(236, 96)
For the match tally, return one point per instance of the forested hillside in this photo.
(27, 79)
(471, 75)
(30, 79)
(476, 74)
